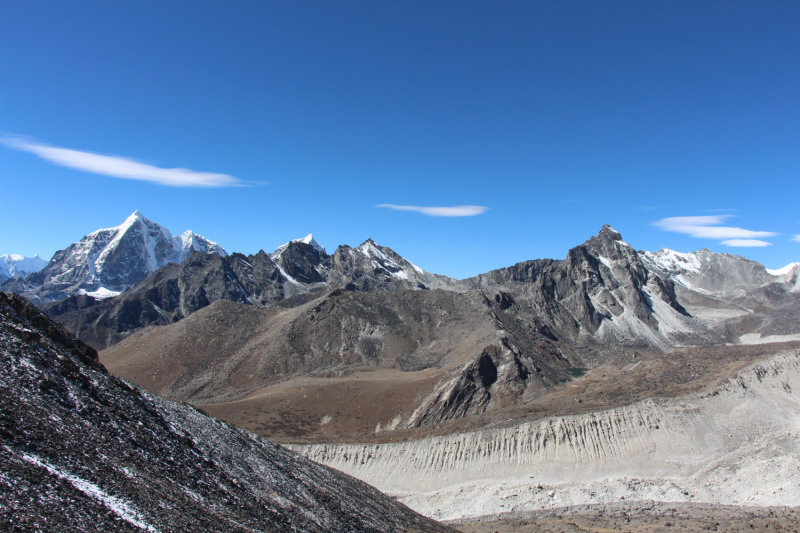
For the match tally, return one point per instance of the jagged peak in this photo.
(604, 242)
(607, 230)
(308, 239)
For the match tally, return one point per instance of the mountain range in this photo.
(603, 292)
(18, 266)
(564, 356)
(483, 344)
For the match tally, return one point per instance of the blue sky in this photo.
(299, 117)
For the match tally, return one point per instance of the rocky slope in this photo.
(732, 444)
(85, 451)
(109, 261)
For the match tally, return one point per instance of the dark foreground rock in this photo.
(81, 450)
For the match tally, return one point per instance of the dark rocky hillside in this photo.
(81, 450)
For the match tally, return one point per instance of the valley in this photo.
(552, 386)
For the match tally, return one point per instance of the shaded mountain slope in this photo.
(84, 451)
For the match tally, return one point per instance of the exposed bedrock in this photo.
(694, 442)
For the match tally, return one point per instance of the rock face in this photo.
(85, 451)
(602, 292)
(708, 271)
(109, 261)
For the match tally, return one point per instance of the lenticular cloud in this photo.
(122, 167)
(708, 227)
(455, 211)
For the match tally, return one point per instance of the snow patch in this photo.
(785, 270)
(119, 507)
(675, 262)
(289, 278)
(756, 338)
(100, 294)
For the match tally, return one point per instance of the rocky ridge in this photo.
(602, 294)
(85, 451)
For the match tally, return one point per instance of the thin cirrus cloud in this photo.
(122, 167)
(746, 243)
(796, 238)
(709, 227)
(455, 211)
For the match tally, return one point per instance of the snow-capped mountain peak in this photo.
(112, 260)
(17, 266)
(189, 242)
(308, 239)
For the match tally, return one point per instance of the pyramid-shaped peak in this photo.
(610, 232)
(309, 239)
(369, 244)
(606, 243)
(133, 219)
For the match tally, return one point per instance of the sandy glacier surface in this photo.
(735, 444)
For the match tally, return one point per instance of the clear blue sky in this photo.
(556, 116)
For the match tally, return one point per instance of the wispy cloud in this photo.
(122, 167)
(746, 243)
(455, 211)
(796, 238)
(708, 227)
